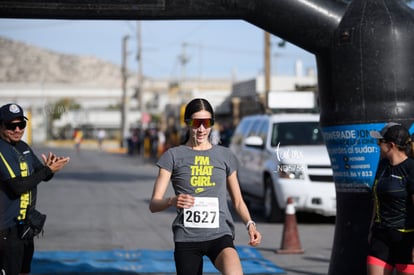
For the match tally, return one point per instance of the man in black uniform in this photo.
(20, 173)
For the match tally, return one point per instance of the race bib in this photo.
(204, 213)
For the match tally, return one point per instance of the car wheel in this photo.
(272, 211)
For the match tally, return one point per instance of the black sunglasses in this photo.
(196, 122)
(12, 125)
(381, 140)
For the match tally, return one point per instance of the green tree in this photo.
(56, 110)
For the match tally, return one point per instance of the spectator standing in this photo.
(101, 135)
(391, 237)
(78, 138)
(20, 173)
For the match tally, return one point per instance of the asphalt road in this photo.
(100, 202)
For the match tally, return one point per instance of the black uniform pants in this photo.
(15, 254)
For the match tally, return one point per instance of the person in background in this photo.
(161, 142)
(101, 135)
(215, 135)
(20, 173)
(202, 175)
(391, 239)
(78, 138)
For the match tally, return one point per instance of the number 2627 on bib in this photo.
(204, 213)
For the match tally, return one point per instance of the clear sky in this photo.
(214, 48)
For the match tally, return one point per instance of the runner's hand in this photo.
(185, 201)
(255, 236)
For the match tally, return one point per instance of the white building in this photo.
(100, 106)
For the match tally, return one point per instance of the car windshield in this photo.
(296, 133)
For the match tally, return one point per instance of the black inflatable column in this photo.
(368, 81)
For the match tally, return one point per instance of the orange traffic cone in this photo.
(290, 239)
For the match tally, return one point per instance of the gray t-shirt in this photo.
(200, 174)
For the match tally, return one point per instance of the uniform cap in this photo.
(11, 111)
(393, 132)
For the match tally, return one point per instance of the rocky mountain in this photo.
(23, 63)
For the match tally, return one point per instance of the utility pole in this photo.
(140, 78)
(267, 73)
(184, 59)
(124, 100)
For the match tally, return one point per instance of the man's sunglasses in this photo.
(12, 125)
(196, 122)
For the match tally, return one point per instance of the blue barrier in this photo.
(136, 261)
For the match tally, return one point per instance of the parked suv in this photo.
(282, 156)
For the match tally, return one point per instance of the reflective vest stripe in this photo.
(406, 230)
(25, 198)
(7, 166)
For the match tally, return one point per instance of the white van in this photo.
(282, 156)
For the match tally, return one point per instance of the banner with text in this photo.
(354, 155)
